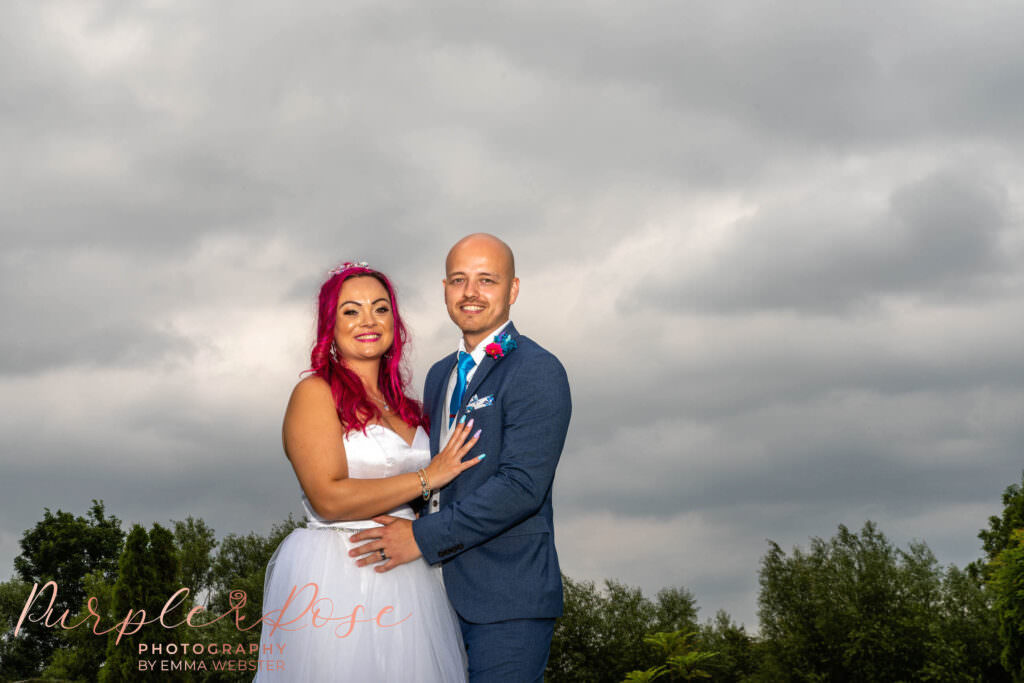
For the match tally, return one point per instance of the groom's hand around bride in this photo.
(393, 544)
(393, 541)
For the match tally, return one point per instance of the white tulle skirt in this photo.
(354, 624)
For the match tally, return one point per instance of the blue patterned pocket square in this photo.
(476, 403)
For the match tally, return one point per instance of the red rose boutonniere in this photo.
(500, 346)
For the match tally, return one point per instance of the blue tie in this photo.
(465, 363)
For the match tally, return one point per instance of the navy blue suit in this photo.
(494, 530)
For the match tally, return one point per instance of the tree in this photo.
(134, 576)
(64, 548)
(147, 577)
(241, 565)
(738, 653)
(683, 662)
(195, 542)
(61, 548)
(141, 573)
(674, 609)
(163, 558)
(1008, 585)
(1000, 529)
(1003, 543)
(964, 629)
(600, 636)
(16, 656)
(856, 609)
(81, 652)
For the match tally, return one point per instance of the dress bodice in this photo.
(377, 454)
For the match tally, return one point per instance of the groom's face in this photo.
(479, 287)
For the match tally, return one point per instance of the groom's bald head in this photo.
(485, 243)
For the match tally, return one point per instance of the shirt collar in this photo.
(478, 352)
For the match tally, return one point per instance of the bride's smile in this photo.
(365, 326)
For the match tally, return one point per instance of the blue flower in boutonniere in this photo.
(501, 345)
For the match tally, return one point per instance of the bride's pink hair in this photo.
(355, 409)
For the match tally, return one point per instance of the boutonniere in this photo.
(501, 345)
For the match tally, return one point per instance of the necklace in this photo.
(387, 408)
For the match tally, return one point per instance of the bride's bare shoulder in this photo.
(312, 385)
(311, 420)
(311, 395)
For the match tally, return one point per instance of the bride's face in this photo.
(365, 326)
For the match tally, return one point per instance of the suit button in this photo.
(434, 504)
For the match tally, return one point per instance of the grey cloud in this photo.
(822, 476)
(735, 380)
(951, 224)
(831, 74)
(938, 237)
(123, 344)
(62, 313)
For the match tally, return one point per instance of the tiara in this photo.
(345, 266)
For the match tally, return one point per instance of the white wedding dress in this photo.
(405, 629)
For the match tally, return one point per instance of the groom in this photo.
(492, 529)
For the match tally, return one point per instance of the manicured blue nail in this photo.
(481, 456)
(462, 419)
(477, 435)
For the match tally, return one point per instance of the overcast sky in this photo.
(778, 248)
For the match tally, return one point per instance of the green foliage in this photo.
(81, 653)
(195, 542)
(739, 654)
(61, 548)
(91, 557)
(683, 663)
(1003, 543)
(241, 565)
(600, 634)
(670, 643)
(1008, 585)
(64, 548)
(856, 609)
(17, 655)
(963, 646)
(852, 608)
(1000, 529)
(687, 666)
(145, 574)
(646, 675)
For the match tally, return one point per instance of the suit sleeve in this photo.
(537, 408)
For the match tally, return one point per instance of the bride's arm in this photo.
(313, 443)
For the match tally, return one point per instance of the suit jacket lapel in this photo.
(486, 365)
(439, 415)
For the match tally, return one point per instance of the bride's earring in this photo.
(334, 351)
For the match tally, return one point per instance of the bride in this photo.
(359, 449)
